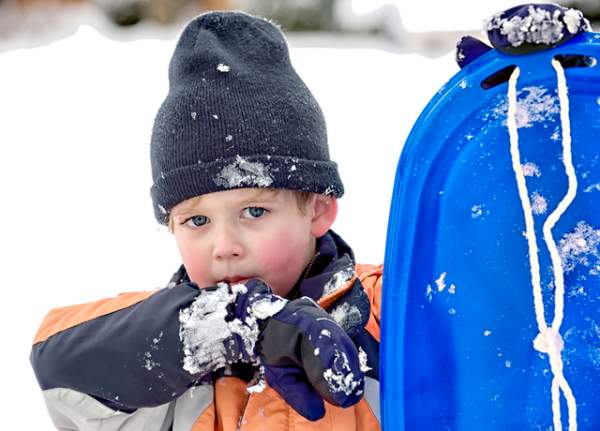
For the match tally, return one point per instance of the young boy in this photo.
(269, 323)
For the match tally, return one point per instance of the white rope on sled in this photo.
(549, 339)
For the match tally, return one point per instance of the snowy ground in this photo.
(77, 222)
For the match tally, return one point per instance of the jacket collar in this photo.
(332, 269)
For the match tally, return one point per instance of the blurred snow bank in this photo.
(49, 22)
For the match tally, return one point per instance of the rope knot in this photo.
(549, 341)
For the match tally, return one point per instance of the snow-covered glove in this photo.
(524, 29)
(222, 325)
(306, 356)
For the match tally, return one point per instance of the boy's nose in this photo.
(227, 245)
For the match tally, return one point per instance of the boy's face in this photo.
(245, 233)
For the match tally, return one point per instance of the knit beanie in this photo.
(236, 115)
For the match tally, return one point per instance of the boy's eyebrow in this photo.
(186, 210)
(183, 214)
(260, 194)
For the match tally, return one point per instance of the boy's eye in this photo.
(254, 212)
(197, 221)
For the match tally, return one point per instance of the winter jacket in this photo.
(116, 364)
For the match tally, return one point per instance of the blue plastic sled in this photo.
(458, 311)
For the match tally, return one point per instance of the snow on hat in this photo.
(236, 115)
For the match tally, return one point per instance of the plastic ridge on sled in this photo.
(458, 319)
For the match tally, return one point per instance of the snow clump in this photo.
(441, 282)
(258, 383)
(223, 68)
(429, 292)
(572, 19)
(534, 105)
(577, 247)
(244, 173)
(538, 204)
(338, 280)
(476, 211)
(340, 377)
(265, 308)
(203, 330)
(346, 315)
(206, 332)
(149, 363)
(531, 170)
(363, 359)
(592, 187)
(539, 26)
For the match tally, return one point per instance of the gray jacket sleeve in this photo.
(75, 411)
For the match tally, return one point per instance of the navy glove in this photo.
(308, 357)
(524, 29)
(305, 355)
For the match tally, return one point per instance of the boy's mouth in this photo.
(235, 279)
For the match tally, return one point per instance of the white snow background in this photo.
(76, 221)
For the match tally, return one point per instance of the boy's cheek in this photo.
(193, 273)
(195, 267)
(274, 258)
(271, 255)
(283, 266)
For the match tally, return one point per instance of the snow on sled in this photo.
(491, 306)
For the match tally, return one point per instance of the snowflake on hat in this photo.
(524, 29)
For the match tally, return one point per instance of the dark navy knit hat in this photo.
(236, 115)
